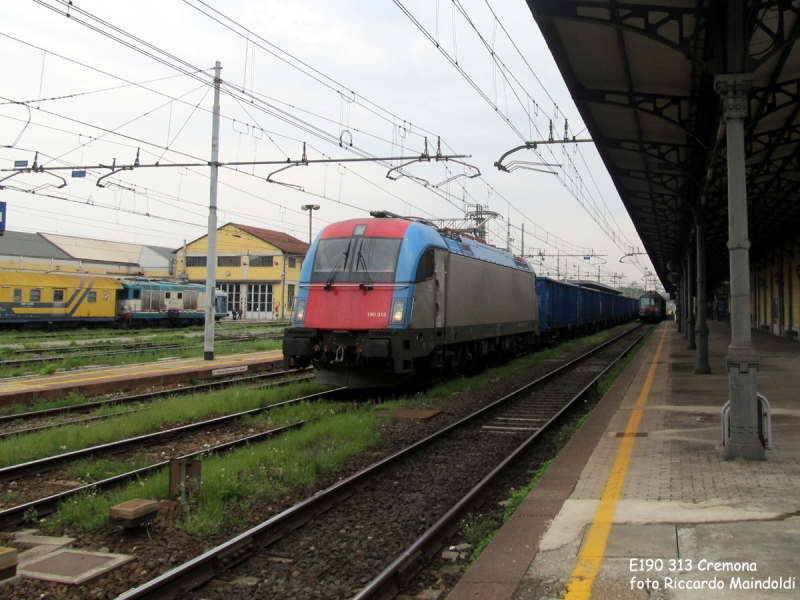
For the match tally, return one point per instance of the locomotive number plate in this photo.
(376, 314)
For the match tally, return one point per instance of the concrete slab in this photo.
(639, 541)
(73, 567)
(8, 558)
(133, 509)
(36, 552)
(29, 541)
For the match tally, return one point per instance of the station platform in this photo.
(127, 378)
(642, 504)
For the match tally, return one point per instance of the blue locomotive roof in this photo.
(419, 237)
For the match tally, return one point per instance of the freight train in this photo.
(388, 299)
(51, 298)
(652, 307)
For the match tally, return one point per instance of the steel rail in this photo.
(187, 391)
(44, 506)
(193, 389)
(52, 462)
(208, 565)
(408, 563)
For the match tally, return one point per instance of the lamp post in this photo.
(310, 208)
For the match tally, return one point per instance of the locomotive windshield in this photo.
(646, 301)
(357, 259)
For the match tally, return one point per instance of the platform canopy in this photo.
(642, 76)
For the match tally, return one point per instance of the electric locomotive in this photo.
(384, 299)
(652, 307)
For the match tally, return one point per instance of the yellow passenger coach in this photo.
(45, 298)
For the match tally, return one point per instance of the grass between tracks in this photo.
(158, 415)
(193, 349)
(232, 482)
(491, 375)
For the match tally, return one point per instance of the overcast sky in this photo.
(312, 72)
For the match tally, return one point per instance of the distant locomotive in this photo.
(65, 298)
(652, 307)
(383, 300)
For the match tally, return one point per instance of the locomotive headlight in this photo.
(398, 310)
(300, 310)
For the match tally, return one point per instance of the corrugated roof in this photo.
(279, 239)
(642, 75)
(56, 280)
(96, 250)
(33, 245)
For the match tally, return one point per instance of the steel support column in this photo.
(741, 361)
(685, 299)
(690, 345)
(679, 313)
(701, 366)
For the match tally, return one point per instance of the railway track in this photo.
(361, 535)
(42, 465)
(15, 515)
(17, 424)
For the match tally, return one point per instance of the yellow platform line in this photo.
(143, 369)
(591, 556)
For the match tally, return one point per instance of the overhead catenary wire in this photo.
(370, 182)
(182, 67)
(567, 179)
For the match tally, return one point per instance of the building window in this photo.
(58, 295)
(261, 261)
(234, 294)
(229, 261)
(196, 261)
(290, 297)
(17, 295)
(292, 262)
(36, 295)
(92, 297)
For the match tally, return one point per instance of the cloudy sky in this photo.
(344, 79)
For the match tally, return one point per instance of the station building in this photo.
(258, 268)
(775, 290)
(55, 253)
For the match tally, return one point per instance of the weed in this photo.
(8, 497)
(31, 515)
(103, 469)
(476, 528)
(47, 369)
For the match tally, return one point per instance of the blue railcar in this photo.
(559, 306)
(150, 301)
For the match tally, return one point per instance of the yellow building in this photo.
(258, 268)
(775, 290)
